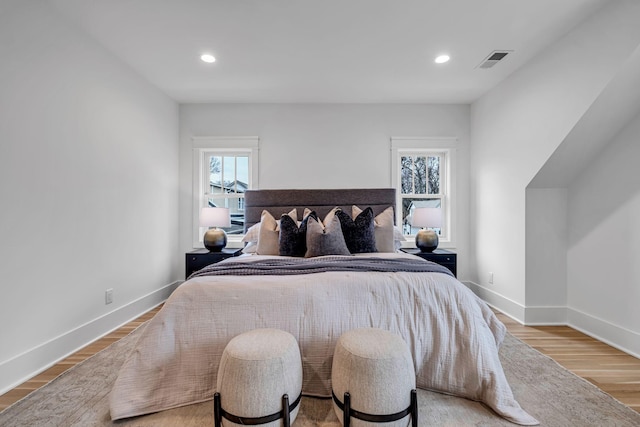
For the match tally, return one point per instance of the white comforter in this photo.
(453, 335)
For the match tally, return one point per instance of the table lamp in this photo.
(426, 240)
(215, 238)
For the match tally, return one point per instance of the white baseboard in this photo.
(22, 367)
(616, 336)
(549, 315)
(507, 306)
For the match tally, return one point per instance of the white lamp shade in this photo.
(215, 217)
(427, 217)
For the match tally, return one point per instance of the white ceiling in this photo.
(324, 51)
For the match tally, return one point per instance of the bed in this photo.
(453, 335)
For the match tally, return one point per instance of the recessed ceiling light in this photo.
(442, 59)
(208, 58)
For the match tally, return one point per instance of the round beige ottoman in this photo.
(259, 380)
(373, 379)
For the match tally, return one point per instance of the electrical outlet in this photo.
(491, 278)
(108, 296)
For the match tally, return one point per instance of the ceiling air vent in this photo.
(493, 58)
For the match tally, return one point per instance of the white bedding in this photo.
(453, 335)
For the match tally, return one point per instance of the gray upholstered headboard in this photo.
(278, 202)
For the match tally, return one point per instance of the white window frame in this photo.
(224, 145)
(446, 146)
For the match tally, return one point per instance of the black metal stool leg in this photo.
(346, 414)
(217, 414)
(414, 408)
(286, 412)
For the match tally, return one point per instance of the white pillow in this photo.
(251, 248)
(398, 238)
(252, 234)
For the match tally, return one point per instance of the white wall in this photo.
(89, 186)
(546, 211)
(546, 255)
(603, 253)
(325, 146)
(517, 126)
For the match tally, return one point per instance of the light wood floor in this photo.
(41, 379)
(612, 370)
(615, 372)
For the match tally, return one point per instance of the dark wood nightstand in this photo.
(200, 258)
(440, 256)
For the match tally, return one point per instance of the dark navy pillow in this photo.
(293, 238)
(359, 233)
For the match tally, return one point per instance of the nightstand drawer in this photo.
(196, 263)
(443, 257)
(200, 258)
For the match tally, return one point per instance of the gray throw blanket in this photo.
(291, 266)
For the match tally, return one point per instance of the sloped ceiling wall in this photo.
(603, 243)
(582, 228)
(547, 220)
(612, 110)
(518, 126)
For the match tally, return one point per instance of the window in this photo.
(224, 168)
(421, 176)
(225, 181)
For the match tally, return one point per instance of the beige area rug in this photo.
(555, 396)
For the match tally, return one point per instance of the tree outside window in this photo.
(420, 185)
